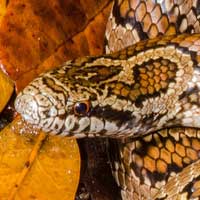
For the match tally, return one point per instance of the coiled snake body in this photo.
(151, 85)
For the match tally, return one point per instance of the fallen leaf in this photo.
(89, 41)
(54, 173)
(31, 31)
(3, 6)
(6, 88)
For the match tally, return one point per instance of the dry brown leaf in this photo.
(90, 41)
(55, 170)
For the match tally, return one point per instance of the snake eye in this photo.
(82, 108)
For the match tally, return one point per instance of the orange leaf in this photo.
(30, 172)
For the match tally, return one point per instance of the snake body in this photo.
(151, 85)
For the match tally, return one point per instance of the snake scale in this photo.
(147, 95)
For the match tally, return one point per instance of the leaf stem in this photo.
(33, 155)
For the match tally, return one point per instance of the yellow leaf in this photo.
(6, 88)
(54, 173)
(3, 5)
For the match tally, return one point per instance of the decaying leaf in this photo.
(89, 41)
(31, 31)
(54, 173)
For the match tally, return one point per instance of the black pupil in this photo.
(81, 108)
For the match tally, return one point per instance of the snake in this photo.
(144, 95)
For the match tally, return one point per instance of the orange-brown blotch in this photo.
(185, 141)
(124, 8)
(165, 155)
(156, 13)
(161, 166)
(153, 152)
(191, 154)
(147, 22)
(180, 149)
(149, 163)
(196, 144)
(163, 24)
(177, 160)
(140, 11)
(170, 146)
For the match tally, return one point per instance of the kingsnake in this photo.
(138, 95)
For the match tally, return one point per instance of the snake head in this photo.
(42, 105)
(113, 96)
(72, 101)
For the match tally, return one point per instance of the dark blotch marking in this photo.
(136, 74)
(142, 150)
(51, 84)
(197, 8)
(113, 152)
(56, 126)
(100, 73)
(107, 113)
(162, 198)
(189, 187)
(148, 120)
(189, 92)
